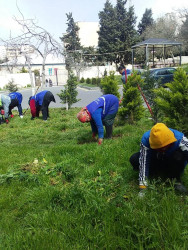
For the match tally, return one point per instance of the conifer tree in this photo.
(108, 32)
(72, 43)
(146, 21)
(70, 93)
(132, 104)
(109, 85)
(173, 102)
(127, 35)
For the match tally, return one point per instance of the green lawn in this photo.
(61, 190)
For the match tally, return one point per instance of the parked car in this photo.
(164, 74)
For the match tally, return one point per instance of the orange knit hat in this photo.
(161, 136)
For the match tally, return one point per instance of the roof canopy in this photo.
(156, 42)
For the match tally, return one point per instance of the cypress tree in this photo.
(132, 108)
(173, 102)
(70, 93)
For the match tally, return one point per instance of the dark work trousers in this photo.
(108, 122)
(165, 167)
(48, 97)
(14, 103)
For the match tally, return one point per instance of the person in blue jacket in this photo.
(16, 101)
(122, 70)
(41, 102)
(100, 112)
(164, 154)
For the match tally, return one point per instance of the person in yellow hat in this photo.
(164, 154)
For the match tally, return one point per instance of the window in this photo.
(50, 71)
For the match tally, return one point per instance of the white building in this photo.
(2, 52)
(88, 33)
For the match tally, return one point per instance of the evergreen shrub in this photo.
(173, 102)
(88, 80)
(132, 108)
(109, 85)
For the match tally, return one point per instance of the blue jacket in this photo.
(16, 95)
(146, 152)
(39, 97)
(99, 109)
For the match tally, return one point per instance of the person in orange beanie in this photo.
(164, 154)
(100, 112)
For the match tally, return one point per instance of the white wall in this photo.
(21, 79)
(96, 71)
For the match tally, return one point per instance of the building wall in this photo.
(50, 72)
(88, 33)
(21, 79)
(96, 71)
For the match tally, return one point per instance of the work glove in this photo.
(2, 112)
(11, 116)
(100, 141)
(7, 121)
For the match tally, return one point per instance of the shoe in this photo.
(180, 188)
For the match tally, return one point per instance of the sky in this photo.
(51, 15)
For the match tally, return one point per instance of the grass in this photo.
(61, 190)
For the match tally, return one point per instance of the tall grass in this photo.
(61, 190)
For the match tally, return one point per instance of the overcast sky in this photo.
(51, 14)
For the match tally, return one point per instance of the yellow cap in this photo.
(161, 136)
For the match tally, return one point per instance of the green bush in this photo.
(88, 80)
(82, 80)
(94, 81)
(23, 70)
(11, 87)
(132, 105)
(109, 85)
(173, 102)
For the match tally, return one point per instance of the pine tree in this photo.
(72, 43)
(70, 93)
(109, 85)
(132, 105)
(173, 102)
(108, 32)
(146, 21)
(127, 35)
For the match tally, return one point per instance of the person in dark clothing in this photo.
(122, 70)
(41, 102)
(164, 154)
(16, 101)
(100, 112)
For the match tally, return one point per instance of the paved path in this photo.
(85, 95)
